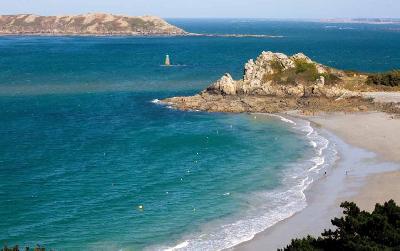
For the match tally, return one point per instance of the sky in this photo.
(315, 9)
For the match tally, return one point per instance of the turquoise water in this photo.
(83, 146)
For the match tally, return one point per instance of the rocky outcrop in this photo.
(262, 77)
(275, 82)
(89, 24)
(226, 86)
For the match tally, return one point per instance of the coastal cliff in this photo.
(88, 24)
(275, 82)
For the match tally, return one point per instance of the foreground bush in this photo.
(357, 230)
(391, 79)
(16, 248)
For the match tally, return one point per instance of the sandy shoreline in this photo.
(378, 133)
(367, 172)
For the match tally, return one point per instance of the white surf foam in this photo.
(228, 235)
(319, 161)
(179, 246)
(313, 143)
(283, 119)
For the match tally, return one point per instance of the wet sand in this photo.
(378, 133)
(367, 172)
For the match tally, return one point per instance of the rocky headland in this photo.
(275, 82)
(88, 24)
(100, 24)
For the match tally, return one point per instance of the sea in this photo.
(90, 160)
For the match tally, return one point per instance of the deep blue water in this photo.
(82, 146)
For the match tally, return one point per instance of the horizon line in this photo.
(205, 17)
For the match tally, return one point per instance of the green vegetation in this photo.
(277, 66)
(357, 230)
(303, 72)
(391, 79)
(303, 66)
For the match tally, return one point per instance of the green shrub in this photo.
(391, 79)
(302, 66)
(308, 71)
(277, 66)
(357, 230)
(303, 72)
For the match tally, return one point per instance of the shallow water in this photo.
(82, 146)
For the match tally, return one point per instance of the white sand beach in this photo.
(376, 132)
(367, 172)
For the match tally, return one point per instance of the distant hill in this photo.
(88, 24)
(363, 20)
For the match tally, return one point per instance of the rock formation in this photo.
(275, 82)
(89, 24)
(269, 76)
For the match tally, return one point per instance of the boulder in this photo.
(225, 85)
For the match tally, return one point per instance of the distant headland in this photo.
(87, 24)
(99, 24)
(362, 20)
